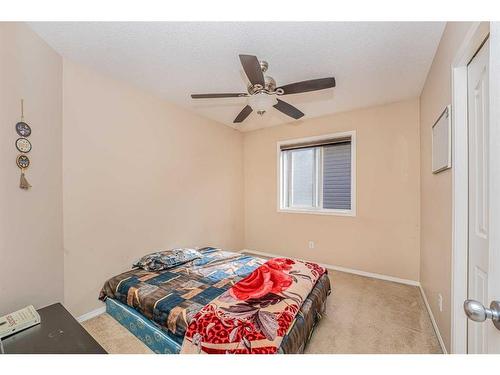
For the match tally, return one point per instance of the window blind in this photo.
(337, 176)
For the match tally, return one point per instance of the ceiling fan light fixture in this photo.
(262, 102)
(263, 93)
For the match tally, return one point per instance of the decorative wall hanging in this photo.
(23, 129)
(441, 142)
(24, 146)
(22, 161)
(23, 183)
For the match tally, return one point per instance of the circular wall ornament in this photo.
(23, 161)
(23, 129)
(23, 145)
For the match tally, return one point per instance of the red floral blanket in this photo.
(254, 314)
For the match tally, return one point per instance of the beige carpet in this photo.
(364, 315)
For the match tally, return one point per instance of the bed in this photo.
(157, 307)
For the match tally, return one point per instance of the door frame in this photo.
(476, 36)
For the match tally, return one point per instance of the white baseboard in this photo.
(434, 324)
(91, 314)
(347, 270)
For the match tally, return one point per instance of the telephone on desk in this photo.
(19, 320)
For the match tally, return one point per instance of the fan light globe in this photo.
(262, 102)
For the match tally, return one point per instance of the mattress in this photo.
(159, 305)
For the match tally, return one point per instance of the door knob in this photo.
(477, 312)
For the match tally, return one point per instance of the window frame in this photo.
(282, 174)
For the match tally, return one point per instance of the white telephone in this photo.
(19, 320)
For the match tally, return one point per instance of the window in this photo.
(317, 174)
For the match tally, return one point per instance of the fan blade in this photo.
(243, 114)
(252, 69)
(310, 85)
(206, 96)
(288, 109)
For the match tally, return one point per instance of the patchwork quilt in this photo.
(172, 297)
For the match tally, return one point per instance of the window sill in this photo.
(318, 212)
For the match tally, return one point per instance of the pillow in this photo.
(163, 260)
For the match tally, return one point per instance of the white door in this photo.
(482, 336)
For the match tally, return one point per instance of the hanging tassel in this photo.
(24, 184)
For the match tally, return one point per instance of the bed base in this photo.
(142, 328)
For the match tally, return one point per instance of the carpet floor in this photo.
(364, 315)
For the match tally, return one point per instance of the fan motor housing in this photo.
(269, 85)
(269, 82)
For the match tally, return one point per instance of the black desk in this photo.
(58, 333)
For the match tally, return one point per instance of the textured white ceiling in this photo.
(373, 62)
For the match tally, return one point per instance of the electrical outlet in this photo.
(440, 302)
(311, 244)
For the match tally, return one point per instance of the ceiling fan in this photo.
(263, 93)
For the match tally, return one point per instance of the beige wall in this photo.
(140, 175)
(384, 236)
(31, 249)
(436, 205)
